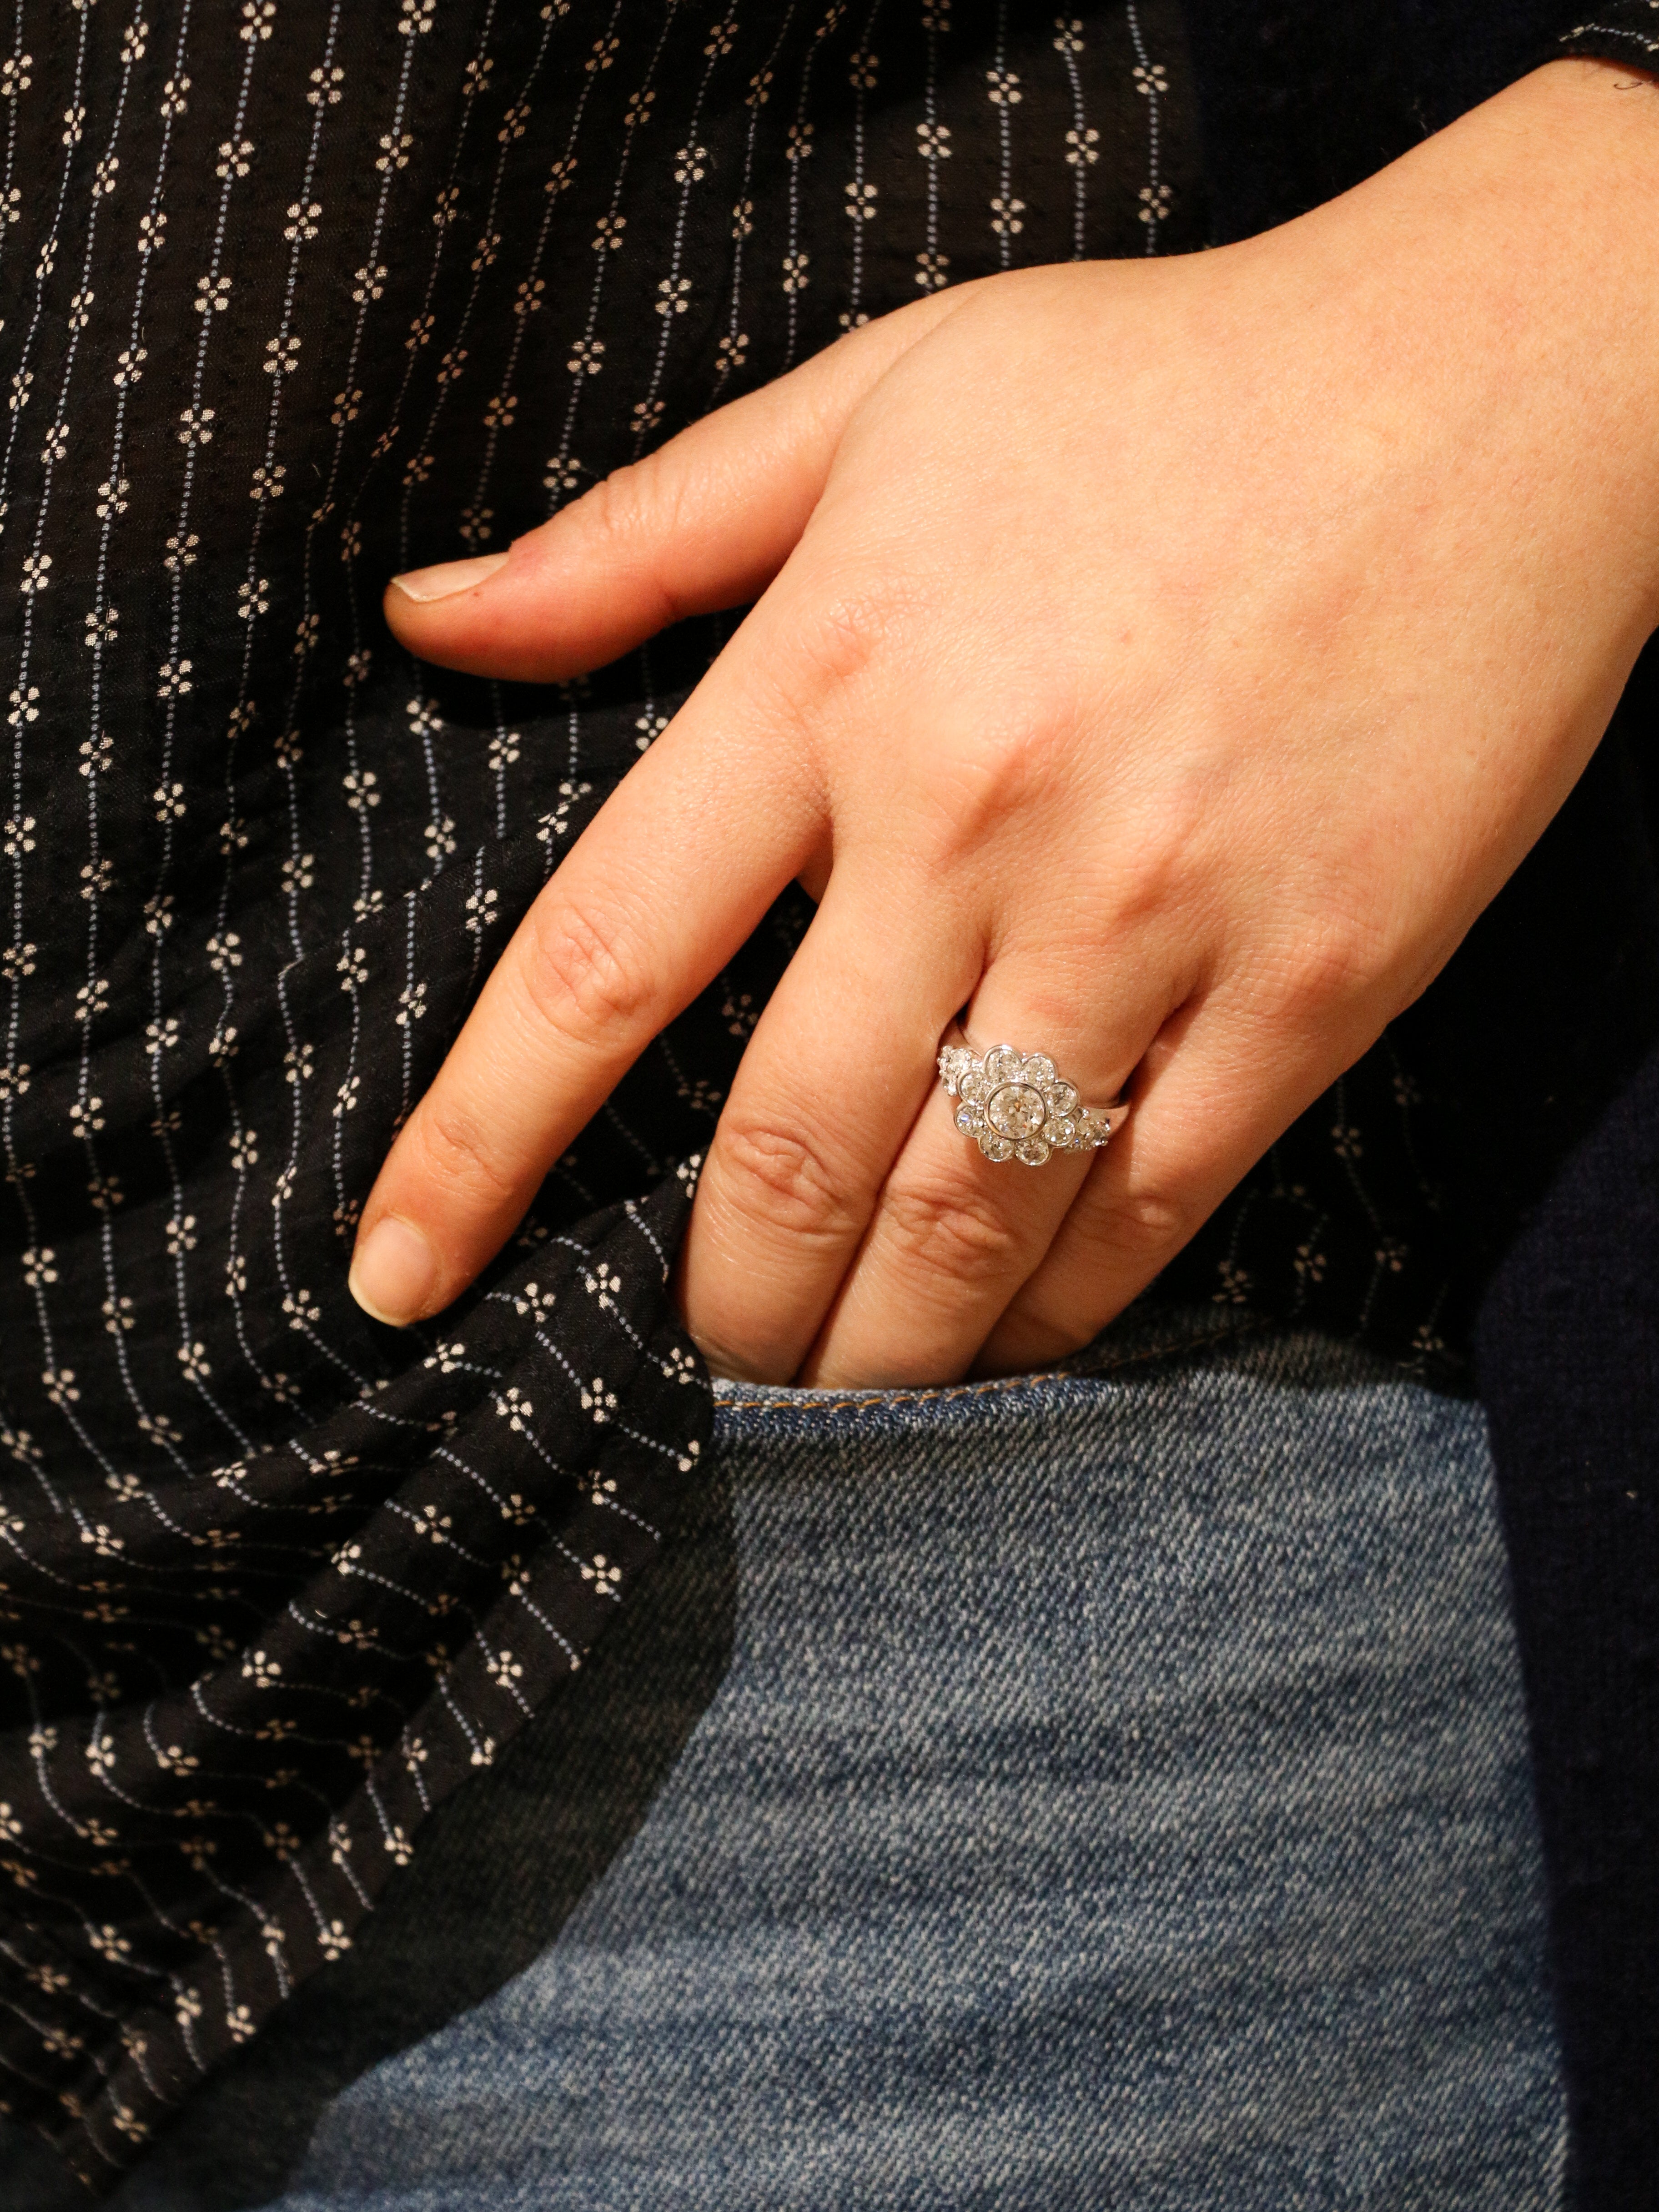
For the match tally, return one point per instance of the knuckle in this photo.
(455, 1160)
(994, 756)
(1161, 855)
(990, 771)
(627, 520)
(1333, 963)
(1142, 1223)
(582, 975)
(782, 1177)
(1148, 882)
(622, 508)
(1007, 756)
(955, 1231)
(849, 631)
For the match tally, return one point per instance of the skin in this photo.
(1166, 661)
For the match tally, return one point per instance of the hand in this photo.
(1165, 661)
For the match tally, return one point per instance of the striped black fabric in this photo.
(296, 296)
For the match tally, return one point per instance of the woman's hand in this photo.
(1166, 661)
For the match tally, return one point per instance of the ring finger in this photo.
(955, 1234)
(1216, 1088)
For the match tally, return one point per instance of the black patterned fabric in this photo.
(295, 297)
(296, 294)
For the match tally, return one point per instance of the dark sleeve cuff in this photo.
(1626, 31)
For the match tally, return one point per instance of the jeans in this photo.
(1116, 1794)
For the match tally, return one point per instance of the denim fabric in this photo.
(1117, 1794)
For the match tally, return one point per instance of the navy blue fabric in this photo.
(1568, 1363)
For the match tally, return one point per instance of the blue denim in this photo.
(1118, 1796)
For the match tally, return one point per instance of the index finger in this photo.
(669, 879)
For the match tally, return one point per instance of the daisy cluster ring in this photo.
(1015, 1106)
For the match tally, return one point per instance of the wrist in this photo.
(1505, 276)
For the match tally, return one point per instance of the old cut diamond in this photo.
(1017, 1110)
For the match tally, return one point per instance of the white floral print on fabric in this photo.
(279, 283)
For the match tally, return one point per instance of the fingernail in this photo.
(394, 1272)
(449, 577)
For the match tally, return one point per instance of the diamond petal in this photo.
(953, 1064)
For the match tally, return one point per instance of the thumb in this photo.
(705, 522)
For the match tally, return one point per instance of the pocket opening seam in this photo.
(859, 1402)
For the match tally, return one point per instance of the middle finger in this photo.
(823, 1099)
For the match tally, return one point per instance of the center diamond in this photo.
(1016, 1111)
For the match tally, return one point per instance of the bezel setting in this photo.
(1016, 1106)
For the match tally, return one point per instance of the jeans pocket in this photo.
(1138, 1341)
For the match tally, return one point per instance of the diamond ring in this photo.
(1016, 1107)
